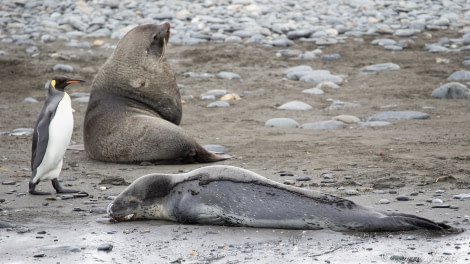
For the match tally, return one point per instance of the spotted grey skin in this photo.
(231, 196)
(134, 110)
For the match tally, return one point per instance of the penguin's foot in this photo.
(32, 190)
(59, 189)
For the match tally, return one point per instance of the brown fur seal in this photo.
(135, 106)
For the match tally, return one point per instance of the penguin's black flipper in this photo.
(41, 129)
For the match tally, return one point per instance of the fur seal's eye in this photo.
(155, 36)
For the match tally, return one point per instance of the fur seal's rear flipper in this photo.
(231, 196)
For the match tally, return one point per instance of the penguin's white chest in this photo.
(60, 133)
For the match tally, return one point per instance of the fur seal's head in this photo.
(142, 41)
(141, 199)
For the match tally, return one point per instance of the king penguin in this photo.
(52, 135)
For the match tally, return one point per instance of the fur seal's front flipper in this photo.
(135, 105)
(231, 196)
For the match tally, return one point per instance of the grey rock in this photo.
(198, 75)
(22, 132)
(383, 42)
(317, 76)
(295, 105)
(220, 104)
(63, 68)
(324, 125)
(313, 91)
(215, 92)
(330, 57)
(281, 122)
(216, 148)
(402, 198)
(4, 224)
(382, 116)
(374, 123)
(462, 196)
(452, 90)
(105, 247)
(382, 67)
(405, 32)
(459, 76)
(384, 201)
(228, 76)
(30, 100)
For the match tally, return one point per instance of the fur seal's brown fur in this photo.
(135, 106)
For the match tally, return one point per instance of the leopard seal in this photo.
(135, 105)
(232, 196)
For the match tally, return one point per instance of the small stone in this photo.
(451, 90)
(63, 68)
(383, 67)
(324, 125)
(459, 76)
(215, 148)
(295, 105)
(384, 201)
(9, 182)
(105, 247)
(313, 91)
(378, 191)
(348, 119)
(30, 100)
(218, 104)
(437, 201)
(303, 179)
(352, 192)
(281, 122)
(440, 206)
(382, 116)
(228, 76)
(462, 196)
(402, 198)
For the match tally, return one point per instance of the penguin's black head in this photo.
(60, 82)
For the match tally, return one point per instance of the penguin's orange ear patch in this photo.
(53, 83)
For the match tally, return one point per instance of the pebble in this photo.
(63, 68)
(402, 198)
(4, 224)
(462, 196)
(30, 100)
(459, 76)
(318, 76)
(440, 205)
(213, 93)
(453, 90)
(382, 67)
(315, 91)
(378, 191)
(22, 132)
(384, 201)
(220, 104)
(340, 105)
(105, 247)
(374, 123)
(198, 75)
(8, 182)
(281, 122)
(330, 57)
(216, 148)
(324, 125)
(348, 119)
(382, 116)
(304, 178)
(295, 105)
(228, 76)
(352, 192)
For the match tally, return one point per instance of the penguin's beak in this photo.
(74, 81)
